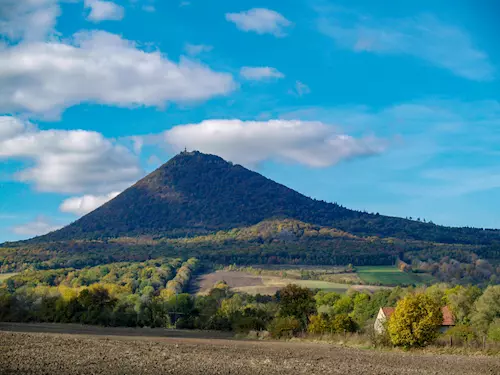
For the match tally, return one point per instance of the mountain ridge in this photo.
(195, 193)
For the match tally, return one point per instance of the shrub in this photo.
(219, 323)
(284, 327)
(461, 333)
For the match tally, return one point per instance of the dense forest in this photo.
(269, 242)
(151, 294)
(195, 193)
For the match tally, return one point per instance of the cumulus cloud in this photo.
(260, 73)
(196, 49)
(261, 21)
(28, 20)
(103, 68)
(104, 11)
(41, 225)
(11, 127)
(68, 161)
(85, 204)
(424, 37)
(251, 142)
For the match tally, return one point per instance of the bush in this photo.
(284, 327)
(378, 339)
(461, 333)
(219, 323)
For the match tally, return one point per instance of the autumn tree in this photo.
(318, 324)
(297, 302)
(415, 321)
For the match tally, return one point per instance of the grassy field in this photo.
(5, 276)
(260, 284)
(390, 275)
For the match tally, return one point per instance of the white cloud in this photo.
(28, 20)
(11, 127)
(261, 21)
(260, 73)
(104, 11)
(424, 37)
(196, 49)
(68, 161)
(99, 67)
(85, 204)
(300, 89)
(41, 225)
(251, 142)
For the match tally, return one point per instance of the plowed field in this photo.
(55, 353)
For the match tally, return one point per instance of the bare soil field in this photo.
(55, 353)
(254, 284)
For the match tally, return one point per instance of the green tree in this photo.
(494, 330)
(438, 293)
(342, 323)
(297, 302)
(344, 305)
(486, 309)
(415, 321)
(326, 298)
(461, 301)
(229, 307)
(284, 327)
(361, 308)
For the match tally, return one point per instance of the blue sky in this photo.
(389, 107)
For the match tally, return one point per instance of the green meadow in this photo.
(390, 275)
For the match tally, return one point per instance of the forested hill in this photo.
(195, 193)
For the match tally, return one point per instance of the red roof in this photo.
(448, 319)
(388, 311)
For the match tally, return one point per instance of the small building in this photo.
(385, 313)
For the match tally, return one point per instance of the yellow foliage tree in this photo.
(318, 324)
(166, 294)
(415, 321)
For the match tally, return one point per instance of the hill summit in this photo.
(195, 193)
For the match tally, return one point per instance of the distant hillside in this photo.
(284, 241)
(195, 194)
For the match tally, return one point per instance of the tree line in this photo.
(152, 294)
